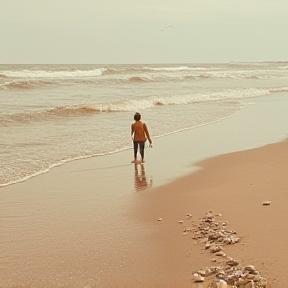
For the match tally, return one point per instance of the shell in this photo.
(197, 278)
(268, 202)
(214, 235)
(232, 262)
(215, 249)
(250, 268)
(220, 253)
(222, 284)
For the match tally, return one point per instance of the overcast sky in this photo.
(143, 31)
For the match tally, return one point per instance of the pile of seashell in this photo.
(225, 276)
(229, 273)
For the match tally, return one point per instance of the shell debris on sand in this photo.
(227, 272)
(268, 202)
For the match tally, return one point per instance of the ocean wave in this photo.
(280, 89)
(17, 85)
(252, 77)
(129, 105)
(165, 76)
(136, 68)
(115, 70)
(176, 68)
(20, 85)
(138, 79)
(72, 73)
(23, 84)
(23, 118)
(194, 68)
(179, 75)
(115, 74)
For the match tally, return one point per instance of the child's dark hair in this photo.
(137, 116)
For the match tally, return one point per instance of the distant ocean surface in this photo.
(52, 114)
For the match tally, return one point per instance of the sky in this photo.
(142, 31)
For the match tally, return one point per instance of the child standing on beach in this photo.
(139, 134)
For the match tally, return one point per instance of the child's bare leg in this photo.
(142, 145)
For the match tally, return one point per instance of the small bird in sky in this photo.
(167, 27)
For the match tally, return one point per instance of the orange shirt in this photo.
(140, 131)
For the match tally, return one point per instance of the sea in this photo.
(53, 114)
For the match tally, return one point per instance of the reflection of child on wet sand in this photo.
(139, 134)
(140, 179)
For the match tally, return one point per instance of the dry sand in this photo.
(234, 185)
(87, 223)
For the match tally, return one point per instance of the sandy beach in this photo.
(94, 222)
(234, 185)
(206, 206)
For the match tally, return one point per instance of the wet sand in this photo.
(94, 221)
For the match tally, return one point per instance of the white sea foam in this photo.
(52, 74)
(177, 68)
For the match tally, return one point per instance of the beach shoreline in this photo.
(98, 223)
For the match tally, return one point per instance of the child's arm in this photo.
(147, 133)
(132, 131)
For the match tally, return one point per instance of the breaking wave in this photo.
(17, 85)
(138, 79)
(280, 89)
(176, 68)
(26, 78)
(73, 73)
(131, 105)
(23, 84)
